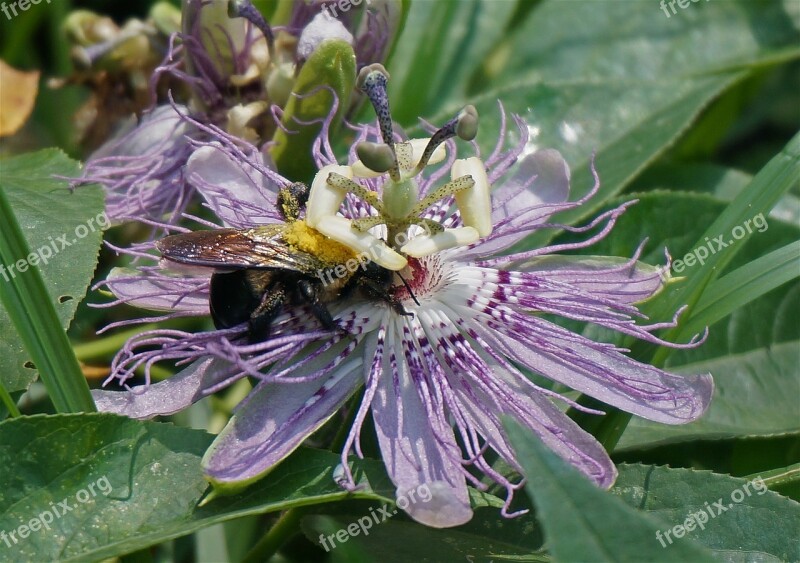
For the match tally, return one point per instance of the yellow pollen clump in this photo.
(307, 239)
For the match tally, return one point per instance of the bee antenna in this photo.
(408, 287)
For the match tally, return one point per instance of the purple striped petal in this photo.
(159, 293)
(275, 418)
(599, 370)
(487, 386)
(418, 446)
(236, 192)
(559, 432)
(166, 397)
(606, 277)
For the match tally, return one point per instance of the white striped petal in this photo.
(341, 230)
(325, 200)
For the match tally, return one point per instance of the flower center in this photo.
(399, 206)
(421, 277)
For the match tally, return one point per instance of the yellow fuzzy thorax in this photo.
(307, 239)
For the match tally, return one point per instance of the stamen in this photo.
(452, 187)
(372, 81)
(364, 224)
(425, 245)
(340, 182)
(464, 125)
(245, 9)
(475, 204)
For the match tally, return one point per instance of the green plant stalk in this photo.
(743, 285)
(778, 477)
(30, 309)
(9, 402)
(287, 526)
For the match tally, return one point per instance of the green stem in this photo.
(287, 526)
(9, 402)
(31, 311)
(778, 477)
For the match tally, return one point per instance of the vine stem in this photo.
(286, 527)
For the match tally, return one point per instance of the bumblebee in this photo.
(260, 270)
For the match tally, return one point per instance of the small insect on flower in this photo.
(261, 269)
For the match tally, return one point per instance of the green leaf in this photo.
(757, 524)
(331, 66)
(584, 523)
(626, 125)
(745, 284)
(724, 183)
(755, 394)
(62, 233)
(719, 181)
(606, 41)
(630, 103)
(488, 536)
(156, 483)
(780, 174)
(440, 47)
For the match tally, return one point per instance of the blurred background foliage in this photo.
(742, 128)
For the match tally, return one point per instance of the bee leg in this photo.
(291, 199)
(309, 291)
(261, 318)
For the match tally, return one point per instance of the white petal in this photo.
(325, 200)
(475, 204)
(425, 245)
(340, 230)
(418, 446)
(418, 147)
(240, 115)
(360, 170)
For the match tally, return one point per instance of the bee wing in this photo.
(259, 247)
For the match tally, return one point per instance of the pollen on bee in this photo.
(302, 237)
